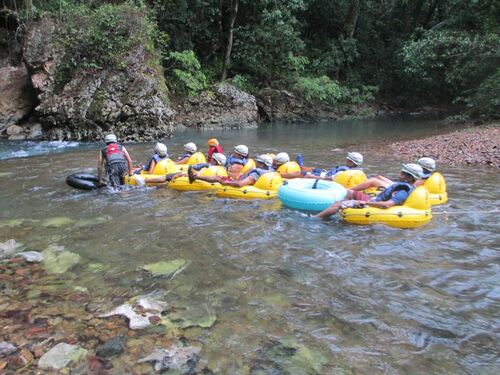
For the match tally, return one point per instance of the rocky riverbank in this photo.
(475, 145)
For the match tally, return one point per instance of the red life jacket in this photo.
(212, 150)
(113, 153)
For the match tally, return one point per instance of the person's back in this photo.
(116, 161)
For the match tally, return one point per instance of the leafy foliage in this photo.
(320, 89)
(185, 73)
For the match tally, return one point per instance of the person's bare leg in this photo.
(373, 182)
(327, 212)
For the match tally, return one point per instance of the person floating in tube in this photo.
(393, 195)
(264, 164)
(160, 153)
(115, 160)
(189, 149)
(353, 160)
(213, 147)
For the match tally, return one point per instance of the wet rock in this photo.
(35, 131)
(131, 101)
(59, 261)
(17, 98)
(180, 359)
(224, 106)
(6, 349)
(166, 269)
(9, 247)
(14, 130)
(139, 314)
(61, 355)
(31, 256)
(112, 347)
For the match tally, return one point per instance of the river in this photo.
(291, 294)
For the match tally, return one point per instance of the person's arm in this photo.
(183, 160)
(100, 168)
(239, 183)
(152, 166)
(129, 161)
(291, 174)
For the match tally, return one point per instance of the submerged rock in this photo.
(6, 349)
(190, 317)
(180, 359)
(9, 247)
(294, 357)
(166, 269)
(112, 347)
(31, 256)
(61, 355)
(56, 222)
(143, 313)
(59, 261)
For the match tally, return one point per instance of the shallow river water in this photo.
(343, 299)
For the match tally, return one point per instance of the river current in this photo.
(350, 299)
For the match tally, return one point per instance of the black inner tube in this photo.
(84, 181)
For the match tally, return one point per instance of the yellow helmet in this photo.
(213, 142)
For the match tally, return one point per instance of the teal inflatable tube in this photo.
(309, 194)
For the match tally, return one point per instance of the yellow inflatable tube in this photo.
(290, 167)
(266, 187)
(182, 183)
(350, 178)
(414, 213)
(162, 168)
(196, 158)
(436, 186)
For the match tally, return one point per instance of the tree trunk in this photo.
(352, 18)
(229, 47)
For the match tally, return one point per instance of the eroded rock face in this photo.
(222, 107)
(130, 101)
(17, 96)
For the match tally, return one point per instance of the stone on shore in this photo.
(6, 349)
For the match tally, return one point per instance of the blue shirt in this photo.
(397, 192)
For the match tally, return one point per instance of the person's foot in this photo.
(300, 160)
(140, 180)
(191, 176)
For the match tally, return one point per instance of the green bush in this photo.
(485, 101)
(185, 74)
(243, 83)
(319, 89)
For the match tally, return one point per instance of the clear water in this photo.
(365, 299)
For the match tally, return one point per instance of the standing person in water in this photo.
(189, 149)
(213, 147)
(115, 160)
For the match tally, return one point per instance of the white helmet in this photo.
(414, 170)
(161, 149)
(190, 147)
(241, 149)
(355, 157)
(282, 158)
(110, 138)
(427, 163)
(219, 158)
(265, 159)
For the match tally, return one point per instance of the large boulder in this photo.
(222, 107)
(17, 97)
(129, 99)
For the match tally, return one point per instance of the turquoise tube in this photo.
(309, 194)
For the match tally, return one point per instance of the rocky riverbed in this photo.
(475, 145)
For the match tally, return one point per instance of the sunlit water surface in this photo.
(366, 299)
